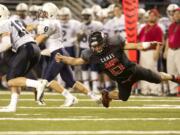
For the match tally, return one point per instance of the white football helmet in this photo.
(4, 12)
(111, 8)
(96, 8)
(86, 11)
(65, 11)
(22, 7)
(141, 11)
(51, 9)
(170, 9)
(111, 11)
(103, 13)
(34, 8)
(87, 15)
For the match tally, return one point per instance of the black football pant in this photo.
(140, 73)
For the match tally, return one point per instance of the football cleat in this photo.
(40, 89)
(70, 102)
(41, 101)
(105, 98)
(176, 79)
(96, 98)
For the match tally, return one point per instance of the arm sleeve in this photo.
(86, 54)
(117, 41)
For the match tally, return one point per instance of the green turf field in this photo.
(140, 115)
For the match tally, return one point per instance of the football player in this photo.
(88, 25)
(113, 61)
(26, 55)
(50, 32)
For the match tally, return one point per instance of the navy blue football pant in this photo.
(54, 68)
(21, 62)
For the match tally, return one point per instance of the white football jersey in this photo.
(18, 34)
(115, 26)
(87, 30)
(52, 29)
(69, 32)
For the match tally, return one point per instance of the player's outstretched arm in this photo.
(141, 45)
(69, 60)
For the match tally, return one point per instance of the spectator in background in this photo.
(148, 58)
(164, 22)
(173, 49)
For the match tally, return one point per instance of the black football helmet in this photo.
(97, 39)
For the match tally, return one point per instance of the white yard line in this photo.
(100, 107)
(81, 94)
(89, 100)
(90, 119)
(87, 132)
(27, 114)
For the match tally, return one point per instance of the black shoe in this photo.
(176, 79)
(105, 98)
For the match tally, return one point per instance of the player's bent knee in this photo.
(10, 83)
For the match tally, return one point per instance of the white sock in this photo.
(94, 78)
(87, 84)
(85, 78)
(90, 93)
(67, 94)
(14, 99)
(32, 83)
(107, 84)
(95, 85)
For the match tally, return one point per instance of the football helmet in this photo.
(97, 39)
(64, 14)
(87, 15)
(34, 8)
(96, 9)
(141, 11)
(170, 9)
(65, 11)
(22, 7)
(51, 9)
(4, 12)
